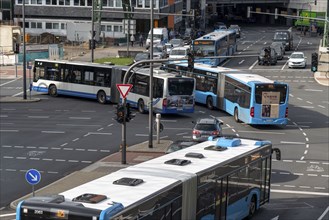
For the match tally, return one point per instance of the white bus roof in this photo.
(81, 63)
(216, 35)
(157, 175)
(248, 77)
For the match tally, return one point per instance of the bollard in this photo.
(157, 120)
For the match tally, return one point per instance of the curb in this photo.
(11, 99)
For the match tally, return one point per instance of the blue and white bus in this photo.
(225, 178)
(250, 98)
(172, 93)
(217, 43)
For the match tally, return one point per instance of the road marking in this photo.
(82, 118)
(78, 125)
(287, 142)
(252, 66)
(299, 192)
(262, 132)
(11, 81)
(314, 90)
(53, 132)
(304, 106)
(321, 106)
(324, 213)
(241, 62)
(8, 130)
(38, 116)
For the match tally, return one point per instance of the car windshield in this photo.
(157, 50)
(142, 56)
(281, 36)
(178, 52)
(175, 41)
(297, 55)
(205, 127)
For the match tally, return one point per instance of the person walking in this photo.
(132, 39)
(141, 40)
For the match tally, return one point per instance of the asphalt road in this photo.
(60, 135)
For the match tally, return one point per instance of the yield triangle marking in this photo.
(124, 89)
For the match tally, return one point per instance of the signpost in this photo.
(33, 177)
(124, 89)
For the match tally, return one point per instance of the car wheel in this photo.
(52, 91)
(101, 97)
(209, 102)
(141, 106)
(236, 115)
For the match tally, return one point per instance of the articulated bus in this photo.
(224, 178)
(250, 98)
(217, 43)
(172, 93)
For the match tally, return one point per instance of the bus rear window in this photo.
(261, 90)
(180, 86)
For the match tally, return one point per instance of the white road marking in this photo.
(241, 62)
(8, 130)
(78, 118)
(262, 132)
(287, 142)
(314, 90)
(53, 132)
(299, 192)
(324, 213)
(252, 66)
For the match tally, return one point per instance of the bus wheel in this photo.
(252, 207)
(101, 97)
(209, 103)
(236, 115)
(52, 91)
(141, 106)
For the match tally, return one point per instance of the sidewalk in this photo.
(134, 155)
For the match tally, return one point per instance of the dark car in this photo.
(278, 50)
(267, 56)
(142, 56)
(206, 127)
(178, 145)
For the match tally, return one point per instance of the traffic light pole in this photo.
(124, 135)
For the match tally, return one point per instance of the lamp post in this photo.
(151, 81)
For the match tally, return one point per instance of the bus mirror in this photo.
(277, 153)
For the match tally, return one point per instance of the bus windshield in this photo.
(204, 50)
(181, 86)
(263, 88)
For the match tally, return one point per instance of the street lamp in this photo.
(24, 52)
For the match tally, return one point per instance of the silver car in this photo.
(206, 127)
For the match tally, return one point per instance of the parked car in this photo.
(178, 145)
(220, 25)
(159, 51)
(176, 42)
(278, 50)
(281, 44)
(297, 59)
(179, 52)
(267, 56)
(142, 56)
(206, 127)
(169, 47)
(236, 28)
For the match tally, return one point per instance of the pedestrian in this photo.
(141, 40)
(132, 39)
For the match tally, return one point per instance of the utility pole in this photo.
(92, 42)
(151, 81)
(24, 53)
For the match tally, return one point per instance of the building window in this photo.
(147, 3)
(56, 26)
(47, 2)
(102, 27)
(90, 2)
(118, 3)
(109, 28)
(48, 25)
(111, 3)
(33, 25)
(39, 25)
(116, 28)
(63, 26)
(27, 24)
(61, 2)
(54, 2)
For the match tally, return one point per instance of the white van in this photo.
(160, 36)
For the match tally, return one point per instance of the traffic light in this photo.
(314, 66)
(92, 44)
(129, 114)
(16, 48)
(120, 114)
(314, 2)
(190, 61)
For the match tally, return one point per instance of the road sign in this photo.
(33, 176)
(124, 89)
